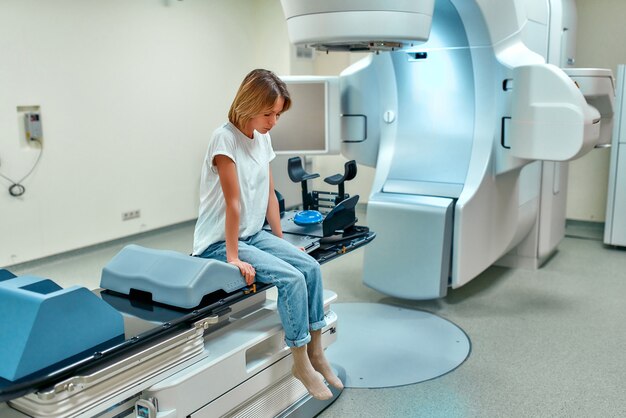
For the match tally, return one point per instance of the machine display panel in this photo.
(303, 127)
(310, 126)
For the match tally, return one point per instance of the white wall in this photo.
(129, 92)
(599, 43)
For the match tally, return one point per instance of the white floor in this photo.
(545, 343)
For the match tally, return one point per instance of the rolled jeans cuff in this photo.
(317, 325)
(300, 342)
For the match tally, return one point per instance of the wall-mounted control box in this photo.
(32, 126)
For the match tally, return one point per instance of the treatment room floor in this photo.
(545, 343)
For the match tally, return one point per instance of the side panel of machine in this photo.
(411, 259)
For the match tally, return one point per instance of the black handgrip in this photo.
(296, 171)
(349, 172)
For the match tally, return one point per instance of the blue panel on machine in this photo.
(43, 324)
(169, 277)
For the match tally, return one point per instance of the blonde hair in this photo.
(257, 94)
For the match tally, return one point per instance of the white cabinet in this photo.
(615, 226)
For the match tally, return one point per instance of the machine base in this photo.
(410, 346)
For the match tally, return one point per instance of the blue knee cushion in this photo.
(42, 324)
(170, 277)
(6, 275)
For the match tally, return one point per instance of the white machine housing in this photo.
(349, 25)
(469, 127)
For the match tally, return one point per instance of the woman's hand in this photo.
(246, 269)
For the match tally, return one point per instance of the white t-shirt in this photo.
(252, 158)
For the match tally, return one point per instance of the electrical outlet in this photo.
(133, 214)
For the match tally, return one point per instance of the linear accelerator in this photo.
(469, 111)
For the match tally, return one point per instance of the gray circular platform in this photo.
(383, 346)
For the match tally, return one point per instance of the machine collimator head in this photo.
(358, 25)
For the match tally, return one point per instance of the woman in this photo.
(236, 196)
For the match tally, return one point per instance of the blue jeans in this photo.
(296, 274)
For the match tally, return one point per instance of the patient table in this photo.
(179, 336)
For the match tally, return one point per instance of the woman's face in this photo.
(264, 122)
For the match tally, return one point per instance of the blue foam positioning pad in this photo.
(171, 278)
(43, 324)
(6, 275)
(308, 217)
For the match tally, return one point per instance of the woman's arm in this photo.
(227, 173)
(273, 212)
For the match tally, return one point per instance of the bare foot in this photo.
(319, 363)
(313, 382)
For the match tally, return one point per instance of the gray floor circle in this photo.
(384, 346)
